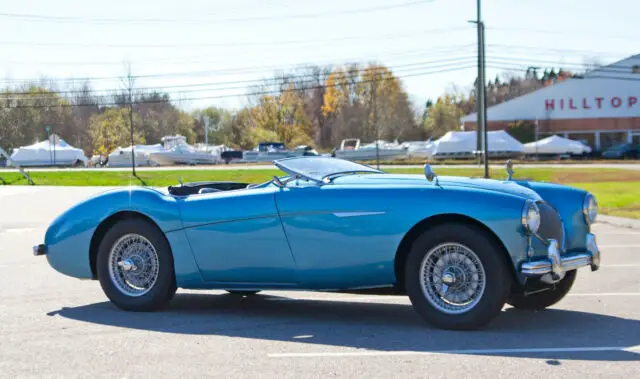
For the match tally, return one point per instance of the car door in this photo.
(340, 237)
(236, 237)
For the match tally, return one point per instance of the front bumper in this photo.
(556, 265)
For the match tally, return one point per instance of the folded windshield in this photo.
(318, 168)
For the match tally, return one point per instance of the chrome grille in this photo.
(551, 226)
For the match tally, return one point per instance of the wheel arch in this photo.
(405, 244)
(104, 227)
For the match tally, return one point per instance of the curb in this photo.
(619, 222)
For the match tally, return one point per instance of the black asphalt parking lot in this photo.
(57, 326)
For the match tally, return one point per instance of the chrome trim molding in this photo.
(357, 214)
(557, 265)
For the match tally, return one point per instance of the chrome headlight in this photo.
(590, 208)
(531, 217)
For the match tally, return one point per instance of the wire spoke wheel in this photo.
(133, 265)
(452, 278)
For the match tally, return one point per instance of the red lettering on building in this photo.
(616, 102)
(599, 101)
(549, 104)
(571, 106)
(632, 101)
(584, 103)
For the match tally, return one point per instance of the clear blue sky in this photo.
(249, 39)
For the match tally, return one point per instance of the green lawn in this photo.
(617, 191)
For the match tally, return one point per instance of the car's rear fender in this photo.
(69, 238)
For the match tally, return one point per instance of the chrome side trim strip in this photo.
(357, 214)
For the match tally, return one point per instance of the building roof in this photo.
(611, 91)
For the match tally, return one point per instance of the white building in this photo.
(602, 108)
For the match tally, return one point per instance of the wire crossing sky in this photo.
(194, 45)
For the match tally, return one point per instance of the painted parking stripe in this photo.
(618, 246)
(605, 294)
(406, 298)
(632, 349)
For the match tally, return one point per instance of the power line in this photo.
(240, 44)
(537, 49)
(203, 59)
(562, 33)
(290, 77)
(610, 67)
(118, 20)
(499, 66)
(256, 93)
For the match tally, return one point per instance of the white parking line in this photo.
(618, 246)
(19, 230)
(606, 294)
(621, 265)
(632, 349)
(365, 298)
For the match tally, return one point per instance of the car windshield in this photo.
(318, 168)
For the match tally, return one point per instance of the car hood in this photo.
(503, 186)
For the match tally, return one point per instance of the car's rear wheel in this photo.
(456, 277)
(135, 266)
(544, 299)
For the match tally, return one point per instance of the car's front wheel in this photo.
(135, 266)
(544, 299)
(456, 277)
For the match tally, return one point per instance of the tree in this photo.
(26, 111)
(219, 120)
(110, 129)
(444, 116)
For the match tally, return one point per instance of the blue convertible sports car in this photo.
(459, 247)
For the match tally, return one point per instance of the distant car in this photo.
(229, 156)
(459, 247)
(624, 151)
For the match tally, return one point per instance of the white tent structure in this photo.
(464, 145)
(52, 152)
(556, 145)
(121, 156)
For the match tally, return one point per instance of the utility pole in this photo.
(484, 108)
(130, 81)
(375, 121)
(481, 124)
(206, 131)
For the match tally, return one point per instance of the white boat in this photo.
(270, 151)
(121, 156)
(419, 149)
(177, 151)
(556, 145)
(50, 152)
(351, 149)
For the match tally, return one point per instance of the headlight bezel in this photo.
(530, 213)
(589, 208)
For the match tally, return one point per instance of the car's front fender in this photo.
(568, 202)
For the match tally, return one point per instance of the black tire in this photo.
(242, 293)
(162, 290)
(492, 260)
(542, 300)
